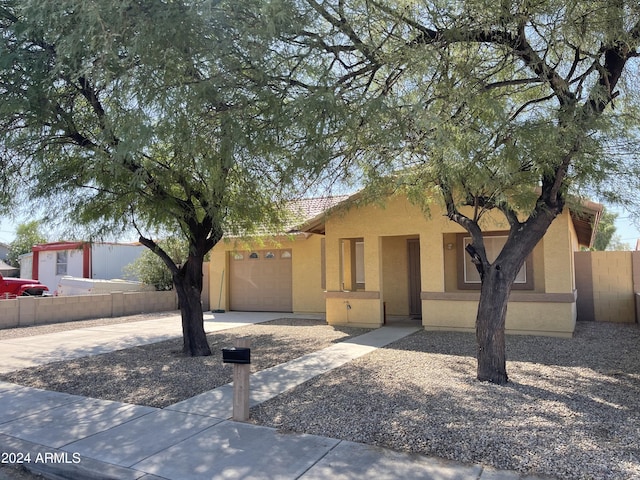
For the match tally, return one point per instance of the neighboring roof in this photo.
(53, 246)
(7, 269)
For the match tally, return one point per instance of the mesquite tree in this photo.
(156, 115)
(505, 106)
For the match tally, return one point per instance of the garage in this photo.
(261, 281)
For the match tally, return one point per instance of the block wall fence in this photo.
(608, 286)
(26, 311)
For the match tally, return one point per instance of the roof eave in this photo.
(585, 218)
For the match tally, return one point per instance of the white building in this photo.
(50, 261)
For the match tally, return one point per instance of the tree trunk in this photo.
(490, 324)
(188, 283)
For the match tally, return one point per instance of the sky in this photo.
(7, 230)
(625, 229)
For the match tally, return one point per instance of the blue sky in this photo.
(625, 228)
(7, 230)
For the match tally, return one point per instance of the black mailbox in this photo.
(236, 355)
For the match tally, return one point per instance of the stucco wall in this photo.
(527, 314)
(308, 294)
(551, 311)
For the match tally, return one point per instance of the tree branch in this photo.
(155, 248)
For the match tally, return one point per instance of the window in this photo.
(360, 264)
(468, 276)
(269, 255)
(352, 264)
(253, 256)
(61, 262)
(323, 265)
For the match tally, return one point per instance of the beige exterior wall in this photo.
(385, 231)
(527, 314)
(549, 308)
(558, 256)
(24, 311)
(356, 309)
(550, 311)
(308, 294)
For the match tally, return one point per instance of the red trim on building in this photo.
(57, 246)
(86, 260)
(46, 247)
(35, 262)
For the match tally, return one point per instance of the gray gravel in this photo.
(159, 374)
(571, 409)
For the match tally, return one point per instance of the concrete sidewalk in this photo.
(69, 436)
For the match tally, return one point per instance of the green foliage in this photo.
(508, 106)
(606, 230)
(150, 269)
(164, 115)
(27, 235)
(489, 99)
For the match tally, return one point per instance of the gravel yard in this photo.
(159, 374)
(571, 409)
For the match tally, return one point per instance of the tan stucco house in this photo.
(364, 264)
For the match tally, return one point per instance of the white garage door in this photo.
(260, 281)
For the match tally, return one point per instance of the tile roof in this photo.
(301, 212)
(306, 209)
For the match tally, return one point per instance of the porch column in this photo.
(434, 312)
(432, 261)
(355, 308)
(373, 263)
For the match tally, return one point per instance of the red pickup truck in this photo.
(17, 287)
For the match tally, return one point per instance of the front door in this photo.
(415, 287)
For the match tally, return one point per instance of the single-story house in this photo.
(363, 264)
(49, 262)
